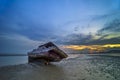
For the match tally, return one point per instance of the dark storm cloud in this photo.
(111, 22)
(80, 39)
(29, 29)
(106, 41)
(113, 26)
(106, 34)
(17, 23)
(76, 39)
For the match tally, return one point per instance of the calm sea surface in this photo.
(12, 60)
(97, 66)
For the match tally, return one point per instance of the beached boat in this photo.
(48, 52)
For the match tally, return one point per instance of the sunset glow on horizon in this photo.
(97, 48)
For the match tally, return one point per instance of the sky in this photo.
(25, 24)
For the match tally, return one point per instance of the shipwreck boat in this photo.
(48, 52)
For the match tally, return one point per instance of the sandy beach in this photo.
(80, 67)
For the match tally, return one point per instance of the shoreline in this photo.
(81, 67)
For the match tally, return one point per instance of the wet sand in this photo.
(80, 67)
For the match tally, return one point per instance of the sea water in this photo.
(13, 60)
